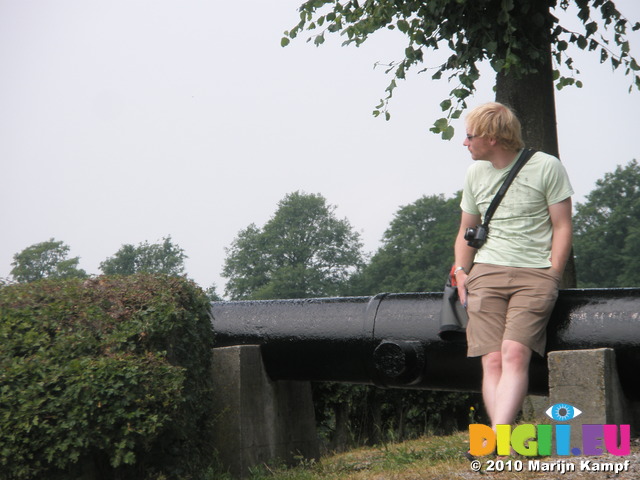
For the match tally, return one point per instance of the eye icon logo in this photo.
(562, 412)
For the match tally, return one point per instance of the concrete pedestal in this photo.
(587, 380)
(259, 420)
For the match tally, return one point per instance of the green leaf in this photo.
(448, 132)
(624, 47)
(582, 42)
(460, 93)
(445, 105)
(604, 55)
(440, 125)
(284, 42)
(410, 53)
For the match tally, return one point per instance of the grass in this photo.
(423, 458)
(430, 458)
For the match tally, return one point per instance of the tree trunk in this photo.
(374, 418)
(532, 97)
(340, 438)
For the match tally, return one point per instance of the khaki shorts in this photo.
(509, 303)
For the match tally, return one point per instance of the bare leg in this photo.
(491, 374)
(505, 397)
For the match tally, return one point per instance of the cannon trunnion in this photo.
(392, 340)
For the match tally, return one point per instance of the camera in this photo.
(476, 236)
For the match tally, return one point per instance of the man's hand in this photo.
(461, 281)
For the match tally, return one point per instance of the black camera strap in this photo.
(526, 154)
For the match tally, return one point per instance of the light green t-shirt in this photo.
(520, 230)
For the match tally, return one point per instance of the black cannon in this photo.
(392, 340)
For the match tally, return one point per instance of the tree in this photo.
(302, 251)
(417, 249)
(520, 40)
(45, 260)
(606, 227)
(165, 257)
(212, 293)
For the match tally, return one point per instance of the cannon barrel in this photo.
(392, 340)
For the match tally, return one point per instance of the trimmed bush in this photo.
(105, 378)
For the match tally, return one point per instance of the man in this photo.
(510, 284)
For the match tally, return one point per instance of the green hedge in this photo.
(105, 378)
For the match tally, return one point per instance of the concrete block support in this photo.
(259, 420)
(588, 380)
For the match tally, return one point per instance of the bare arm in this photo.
(464, 254)
(560, 214)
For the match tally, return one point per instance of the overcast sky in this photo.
(126, 121)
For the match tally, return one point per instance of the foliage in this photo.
(513, 36)
(417, 249)
(105, 378)
(355, 415)
(45, 260)
(212, 293)
(166, 257)
(607, 228)
(302, 251)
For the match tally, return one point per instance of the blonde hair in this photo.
(497, 121)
